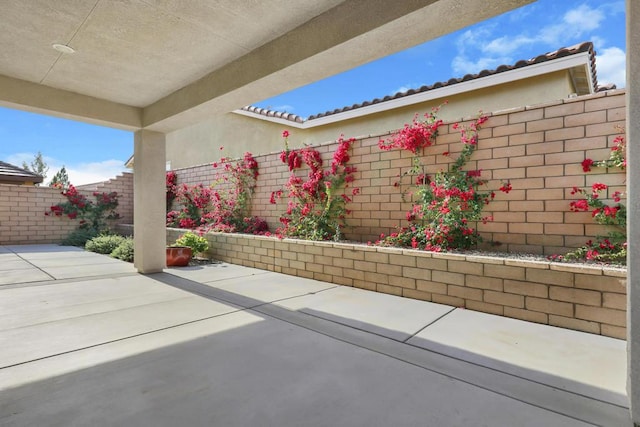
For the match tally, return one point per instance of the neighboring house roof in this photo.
(13, 174)
(579, 59)
(129, 162)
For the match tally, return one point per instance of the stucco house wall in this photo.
(238, 133)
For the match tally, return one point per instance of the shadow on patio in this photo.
(243, 347)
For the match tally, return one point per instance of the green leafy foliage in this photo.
(225, 206)
(37, 166)
(93, 216)
(104, 244)
(198, 244)
(79, 237)
(613, 247)
(447, 204)
(317, 204)
(60, 179)
(124, 251)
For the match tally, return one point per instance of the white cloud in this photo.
(614, 7)
(407, 87)
(476, 40)
(89, 173)
(610, 65)
(506, 44)
(583, 18)
(16, 159)
(494, 51)
(575, 23)
(283, 108)
(79, 174)
(462, 65)
(598, 42)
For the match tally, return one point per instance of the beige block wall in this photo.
(121, 184)
(22, 219)
(580, 297)
(200, 143)
(538, 149)
(22, 208)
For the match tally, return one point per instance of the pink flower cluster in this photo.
(225, 205)
(416, 136)
(613, 247)
(446, 204)
(91, 214)
(316, 205)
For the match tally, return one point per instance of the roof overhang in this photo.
(165, 65)
(578, 65)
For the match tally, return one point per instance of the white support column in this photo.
(149, 203)
(633, 207)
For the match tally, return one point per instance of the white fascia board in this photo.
(567, 62)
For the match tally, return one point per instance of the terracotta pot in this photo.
(178, 256)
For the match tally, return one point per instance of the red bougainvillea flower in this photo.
(293, 160)
(611, 211)
(413, 137)
(616, 196)
(506, 187)
(598, 186)
(592, 254)
(575, 190)
(579, 205)
(586, 165)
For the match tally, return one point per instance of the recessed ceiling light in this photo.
(63, 48)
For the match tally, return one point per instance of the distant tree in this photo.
(37, 166)
(60, 179)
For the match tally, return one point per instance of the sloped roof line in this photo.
(550, 56)
(9, 172)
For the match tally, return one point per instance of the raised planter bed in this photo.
(575, 296)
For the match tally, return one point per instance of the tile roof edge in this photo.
(546, 57)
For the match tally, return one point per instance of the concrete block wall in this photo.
(22, 219)
(538, 149)
(580, 297)
(22, 208)
(123, 185)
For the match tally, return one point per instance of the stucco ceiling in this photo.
(166, 63)
(136, 52)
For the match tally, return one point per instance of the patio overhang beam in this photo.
(37, 98)
(349, 35)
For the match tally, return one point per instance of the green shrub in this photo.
(104, 244)
(198, 244)
(80, 236)
(124, 251)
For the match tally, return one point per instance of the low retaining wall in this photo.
(573, 296)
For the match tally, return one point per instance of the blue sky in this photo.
(92, 153)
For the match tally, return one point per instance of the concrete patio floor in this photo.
(88, 341)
